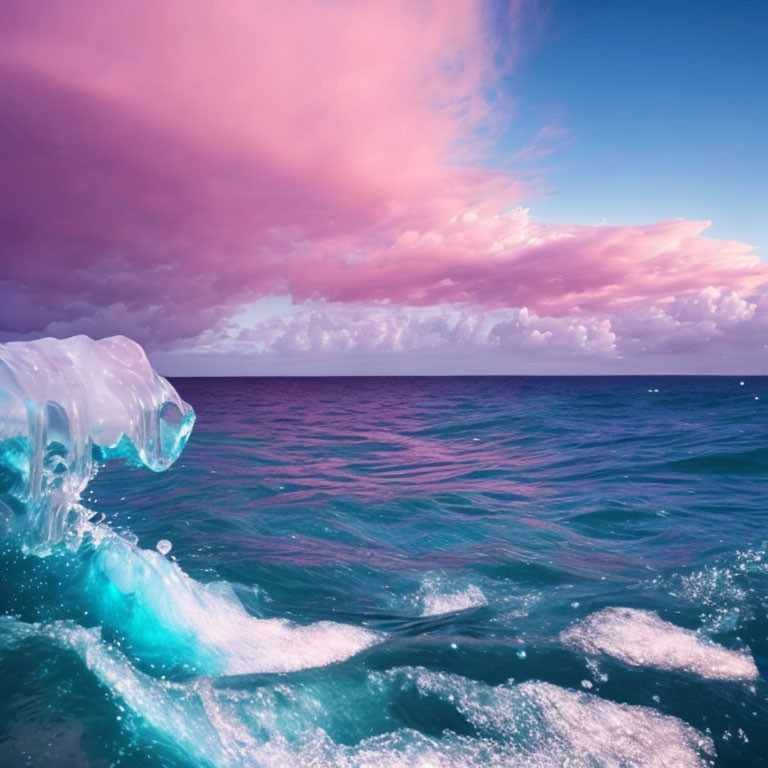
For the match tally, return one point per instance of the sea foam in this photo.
(528, 725)
(642, 639)
(438, 596)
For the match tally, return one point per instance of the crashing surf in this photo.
(68, 406)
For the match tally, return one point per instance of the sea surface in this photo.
(507, 571)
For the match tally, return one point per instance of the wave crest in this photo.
(65, 406)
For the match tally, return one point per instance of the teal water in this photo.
(451, 553)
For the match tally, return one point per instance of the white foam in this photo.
(444, 593)
(533, 725)
(642, 638)
(438, 595)
(436, 603)
(552, 727)
(229, 639)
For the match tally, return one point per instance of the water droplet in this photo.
(163, 546)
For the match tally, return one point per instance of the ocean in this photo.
(410, 572)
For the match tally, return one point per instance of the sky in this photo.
(319, 187)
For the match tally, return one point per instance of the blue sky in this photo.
(665, 105)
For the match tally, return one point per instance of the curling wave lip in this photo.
(68, 405)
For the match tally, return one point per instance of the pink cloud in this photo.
(510, 260)
(171, 162)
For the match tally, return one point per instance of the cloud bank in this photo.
(170, 164)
